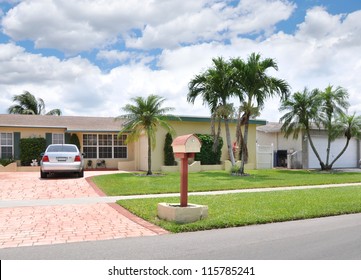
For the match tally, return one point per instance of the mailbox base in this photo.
(182, 215)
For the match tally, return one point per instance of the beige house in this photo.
(98, 138)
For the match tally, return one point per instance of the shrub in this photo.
(207, 156)
(6, 161)
(75, 140)
(31, 148)
(168, 151)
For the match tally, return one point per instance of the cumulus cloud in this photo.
(75, 26)
(323, 50)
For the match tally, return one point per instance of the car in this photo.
(62, 158)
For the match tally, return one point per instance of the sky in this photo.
(90, 57)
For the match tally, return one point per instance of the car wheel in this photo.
(81, 174)
(43, 175)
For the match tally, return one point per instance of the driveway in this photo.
(54, 224)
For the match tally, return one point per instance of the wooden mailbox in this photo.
(185, 147)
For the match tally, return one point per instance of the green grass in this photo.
(242, 209)
(128, 184)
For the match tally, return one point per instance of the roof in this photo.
(270, 127)
(69, 123)
(208, 119)
(273, 127)
(83, 124)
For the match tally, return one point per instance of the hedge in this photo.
(207, 156)
(31, 148)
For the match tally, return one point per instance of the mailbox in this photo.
(186, 144)
(184, 147)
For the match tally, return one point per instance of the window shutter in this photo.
(16, 145)
(49, 139)
(67, 138)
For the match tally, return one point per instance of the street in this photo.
(331, 238)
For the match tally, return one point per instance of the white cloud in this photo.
(75, 26)
(323, 50)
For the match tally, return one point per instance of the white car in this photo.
(62, 158)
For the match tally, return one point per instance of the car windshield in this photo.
(60, 148)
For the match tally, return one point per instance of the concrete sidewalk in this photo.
(113, 199)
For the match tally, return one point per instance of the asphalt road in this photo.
(331, 238)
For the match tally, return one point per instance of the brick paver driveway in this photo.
(39, 225)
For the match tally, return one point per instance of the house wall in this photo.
(279, 141)
(128, 163)
(193, 127)
(28, 132)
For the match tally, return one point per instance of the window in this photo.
(104, 146)
(90, 145)
(58, 138)
(6, 145)
(120, 148)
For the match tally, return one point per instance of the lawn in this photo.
(242, 209)
(128, 183)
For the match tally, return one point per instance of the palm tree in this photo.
(255, 87)
(302, 111)
(216, 86)
(29, 105)
(333, 104)
(143, 117)
(347, 125)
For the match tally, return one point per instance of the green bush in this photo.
(207, 156)
(6, 161)
(31, 148)
(168, 151)
(75, 140)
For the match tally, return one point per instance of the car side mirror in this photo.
(83, 154)
(42, 154)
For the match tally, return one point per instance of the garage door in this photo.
(347, 160)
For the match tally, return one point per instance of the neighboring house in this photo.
(297, 153)
(98, 138)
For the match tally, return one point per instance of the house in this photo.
(98, 138)
(297, 153)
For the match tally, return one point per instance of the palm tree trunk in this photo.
(340, 154)
(229, 142)
(328, 144)
(214, 135)
(244, 157)
(149, 172)
(314, 150)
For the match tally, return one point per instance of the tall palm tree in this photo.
(255, 88)
(29, 105)
(215, 86)
(144, 116)
(333, 103)
(302, 112)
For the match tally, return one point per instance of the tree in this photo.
(302, 110)
(29, 105)
(144, 116)
(320, 109)
(215, 86)
(255, 87)
(349, 126)
(169, 159)
(333, 103)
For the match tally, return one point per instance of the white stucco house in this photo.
(297, 153)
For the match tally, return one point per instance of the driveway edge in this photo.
(121, 210)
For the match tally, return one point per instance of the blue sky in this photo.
(90, 57)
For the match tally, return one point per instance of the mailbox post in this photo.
(185, 147)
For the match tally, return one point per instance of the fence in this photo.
(264, 156)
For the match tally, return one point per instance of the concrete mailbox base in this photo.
(182, 215)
